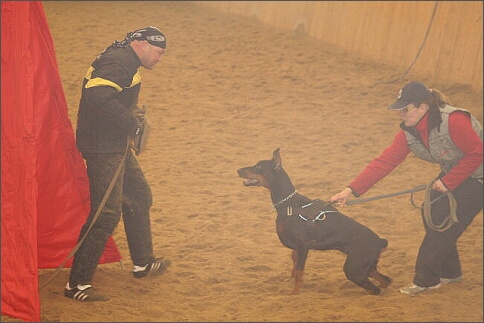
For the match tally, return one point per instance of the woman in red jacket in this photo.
(434, 131)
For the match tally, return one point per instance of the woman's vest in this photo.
(441, 148)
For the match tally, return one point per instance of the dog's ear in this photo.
(276, 159)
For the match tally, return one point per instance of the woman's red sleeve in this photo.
(381, 166)
(467, 140)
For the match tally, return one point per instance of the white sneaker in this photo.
(451, 280)
(414, 289)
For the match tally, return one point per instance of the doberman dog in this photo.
(303, 224)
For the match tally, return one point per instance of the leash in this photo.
(446, 223)
(96, 215)
(379, 197)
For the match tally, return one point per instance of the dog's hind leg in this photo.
(383, 281)
(298, 260)
(356, 269)
(364, 282)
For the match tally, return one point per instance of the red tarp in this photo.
(45, 189)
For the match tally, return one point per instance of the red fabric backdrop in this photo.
(45, 189)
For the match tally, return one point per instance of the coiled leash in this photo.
(448, 221)
(96, 215)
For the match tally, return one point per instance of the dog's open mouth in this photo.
(251, 181)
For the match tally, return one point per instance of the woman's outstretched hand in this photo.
(341, 197)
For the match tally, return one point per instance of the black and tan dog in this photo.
(303, 224)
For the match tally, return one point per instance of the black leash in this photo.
(450, 220)
(379, 197)
(374, 198)
(368, 199)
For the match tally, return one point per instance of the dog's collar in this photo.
(284, 199)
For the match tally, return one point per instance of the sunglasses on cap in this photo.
(407, 108)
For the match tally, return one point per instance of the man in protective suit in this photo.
(109, 124)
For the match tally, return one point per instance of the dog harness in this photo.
(311, 213)
(308, 215)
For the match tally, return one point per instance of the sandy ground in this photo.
(229, 91)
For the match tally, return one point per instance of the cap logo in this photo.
(156, 38)
(399, 96)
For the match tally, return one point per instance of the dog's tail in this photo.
(384, 243)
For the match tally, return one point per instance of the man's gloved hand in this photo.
(141, 135)
(140, 113)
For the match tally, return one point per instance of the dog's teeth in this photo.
(250, 181)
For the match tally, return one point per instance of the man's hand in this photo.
(141, 135)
